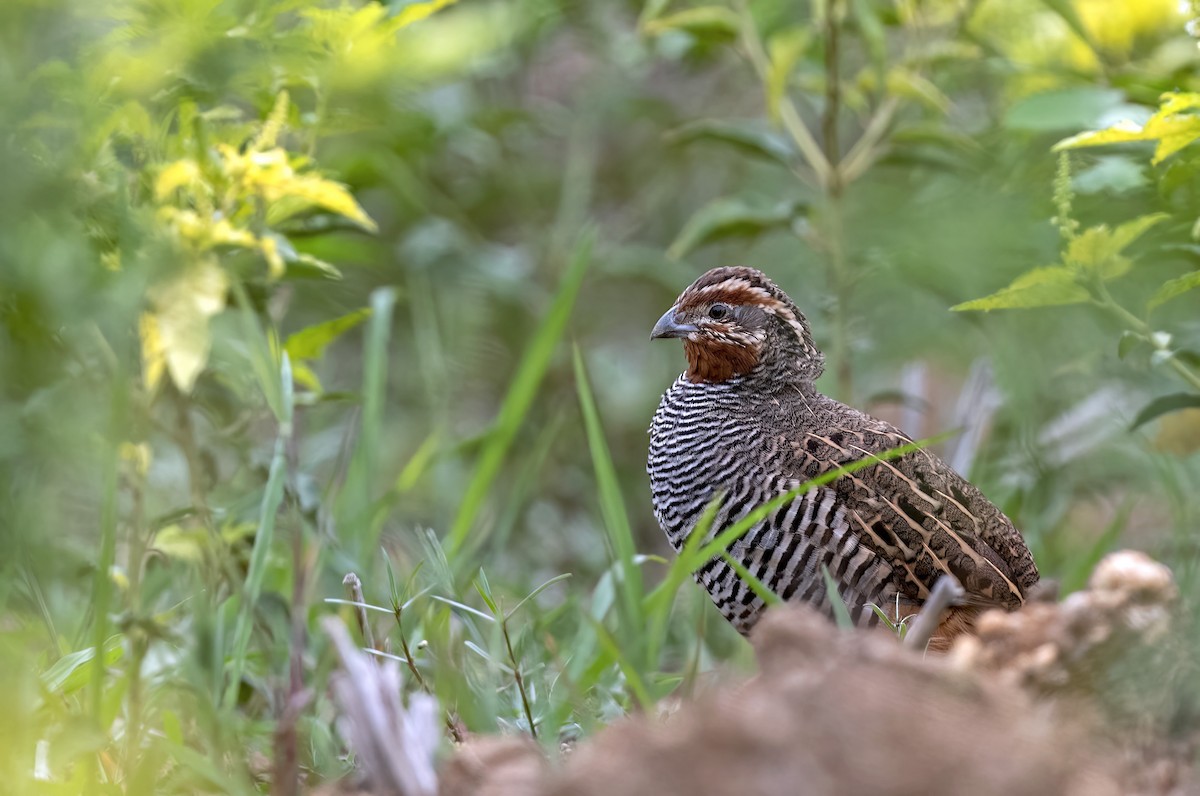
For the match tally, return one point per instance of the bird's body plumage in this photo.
(751, 427)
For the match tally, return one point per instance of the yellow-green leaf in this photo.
(418, 11)
(182, 308)
(179, 174)
(1042, 287)
(274, 124)
(1179, 101)
(310, 343)
(704, 21)
(910, 85)
(1099, 249)
(1171, 129)
(330, 195)
(785, 49)
(154, 358)
(304, 376)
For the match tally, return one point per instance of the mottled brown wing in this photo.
(920, 515)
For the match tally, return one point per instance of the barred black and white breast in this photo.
(745, 423)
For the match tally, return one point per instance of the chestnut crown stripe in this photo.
(727, 348)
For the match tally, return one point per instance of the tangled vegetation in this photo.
(291, 290)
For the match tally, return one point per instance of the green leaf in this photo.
(612, 509)
(746, 137)
(1129, 341)
(705, 22)
(1042, 287)
(311, 342)
(485, 591)
(464, 607)
(1163, 405)
(912, 86)
(785, 50)
(1098, 249)
(535, 593)
(1113, 173)
(840, 612)
(729, 217)
(1062, 109)
(1171, 129)
(68, 674)
(1174, 287)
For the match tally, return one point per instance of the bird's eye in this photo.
(719, 311)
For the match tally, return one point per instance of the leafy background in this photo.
(291, 289)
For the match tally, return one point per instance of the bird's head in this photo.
(736, 322)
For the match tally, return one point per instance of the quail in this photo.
(745, 424)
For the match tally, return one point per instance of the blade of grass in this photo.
(757, 586)
(535, 593)
(616, 520)
(519, 398)
(268, 511)
(658, 604)
(841, 613)
(610, 646)
(360, 526)
(1076, 578)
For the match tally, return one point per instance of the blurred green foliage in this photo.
(288, 289)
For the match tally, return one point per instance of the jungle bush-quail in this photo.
(746, 422)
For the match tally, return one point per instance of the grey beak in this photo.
(667, 327)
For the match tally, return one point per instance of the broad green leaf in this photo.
(1130, 231)
(1115, 173)
(706, 22)
(746, 137)
(728, 217)
(1099, 249)
(1094, 250)
(910, 85)
(1178, 102)
(1042, 287)
(175, 333)
(1174, 287)
(785, 50)
(1164, 404)
(68, 674)
(1062, 109)
(1171, 130)
(310, 343)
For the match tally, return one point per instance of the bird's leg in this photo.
(946, 593)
